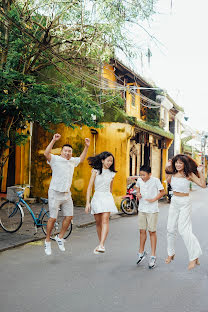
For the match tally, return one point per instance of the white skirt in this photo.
(103, 202)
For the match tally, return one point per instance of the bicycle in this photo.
(12, 215)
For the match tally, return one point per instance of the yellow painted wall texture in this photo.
(5, 172)
(133, 110)
(21, 165)
(164, 161)
(109, 74)
(113, 137)
(22, 162)
(156, 162)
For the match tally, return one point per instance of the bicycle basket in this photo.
(12, 193)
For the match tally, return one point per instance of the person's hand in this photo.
(56, 137)
(200, 169)
(150, 200)
(139, 195)
(87, 142)
(169, 163)
(87, 208)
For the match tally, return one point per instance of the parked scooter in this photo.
(129, 204)
(169, 194)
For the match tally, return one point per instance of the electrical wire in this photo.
(103, 83)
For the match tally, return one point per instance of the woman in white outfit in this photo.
(179, 172)
(102, 203)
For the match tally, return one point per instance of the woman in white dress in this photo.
(102, 203)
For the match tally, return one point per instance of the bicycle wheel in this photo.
(128, 206)
(11, 217)
(57, 226)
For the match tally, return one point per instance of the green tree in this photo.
(71, 38)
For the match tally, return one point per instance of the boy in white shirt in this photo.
(59, 190)
(149, 190)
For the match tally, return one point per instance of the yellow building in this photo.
(17, 170)
(132, 144)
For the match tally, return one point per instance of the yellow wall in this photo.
(21, 164)
(109, 74)
(130, 109)
(164, 161)
(5, 169)
(22, 155)
(156, 161)
(113, 137)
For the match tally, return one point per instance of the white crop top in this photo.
(180, 185)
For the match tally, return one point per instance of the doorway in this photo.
(11, 168)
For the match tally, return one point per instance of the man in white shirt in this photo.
(59, 194)
(149, 190)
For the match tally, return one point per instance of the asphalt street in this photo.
(77, 280)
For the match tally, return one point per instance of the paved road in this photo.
(78, 280)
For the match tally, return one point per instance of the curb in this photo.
(21, 243)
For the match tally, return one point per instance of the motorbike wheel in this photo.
(128, 206)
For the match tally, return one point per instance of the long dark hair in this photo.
(96, 161)
(189, 165)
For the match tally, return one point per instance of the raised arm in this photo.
(169, 169)
(47, 152)
(89, 191)
(201, 180)
(84, 153)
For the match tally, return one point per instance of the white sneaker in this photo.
(48, 248)
(152, 262)
(60, 242)
(141, 257)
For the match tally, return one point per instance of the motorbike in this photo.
(170, 193)
(129, 203)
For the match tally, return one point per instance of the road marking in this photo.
(37, 243)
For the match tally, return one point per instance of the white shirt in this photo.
(149, 190)
(62, 172)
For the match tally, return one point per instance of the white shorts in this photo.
(57, 200)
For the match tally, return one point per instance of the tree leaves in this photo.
(69, 39)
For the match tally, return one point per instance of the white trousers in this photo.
(180, 217)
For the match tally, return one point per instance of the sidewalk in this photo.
(27, 233)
